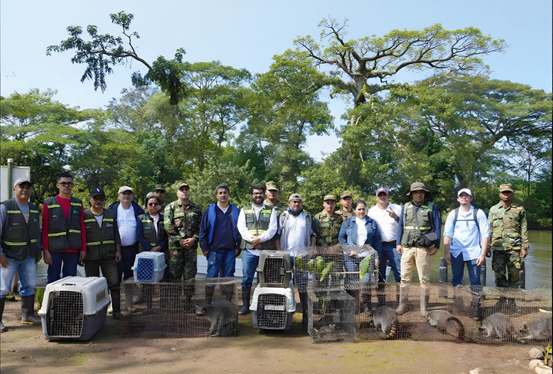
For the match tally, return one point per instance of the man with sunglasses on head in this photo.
(103, 246)
(63, 231)
(509, 238)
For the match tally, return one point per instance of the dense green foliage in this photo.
(207, 123)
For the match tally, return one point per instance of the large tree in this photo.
(368, 65)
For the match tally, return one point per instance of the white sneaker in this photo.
(110, 309)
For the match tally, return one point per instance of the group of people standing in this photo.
(109, 239)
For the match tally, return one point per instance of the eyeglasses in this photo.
(258, 193)
(98, 198)
(66, 184)
(153, 204)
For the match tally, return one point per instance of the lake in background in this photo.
(537, 263)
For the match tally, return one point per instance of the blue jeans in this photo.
(124, 267)
(249, 264)
(69, 261)
(458, 267)
(216, 261)
(389, 253)
(27, 276)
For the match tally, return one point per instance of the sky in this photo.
(247, 34)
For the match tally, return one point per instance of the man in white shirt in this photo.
(296, 234)
(466, 237)
(386, 215)
(126, 211)
(257, 225)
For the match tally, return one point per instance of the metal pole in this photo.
(10, 178)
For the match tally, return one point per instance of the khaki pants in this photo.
(415, 257)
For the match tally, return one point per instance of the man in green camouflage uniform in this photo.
(509, 238)
(346, 199)
(182, 223)
(272, 201)
(327, 223)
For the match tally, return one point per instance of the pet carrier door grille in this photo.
(65, 314)
(274, 270)
(145, 269)
(271, 311)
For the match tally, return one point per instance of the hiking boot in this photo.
(28, 311)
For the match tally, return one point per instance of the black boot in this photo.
(2, 302)
(474, 309)
(381, 294)
(304, 308)
(28, 311)
(246, 293)
(366, 302)
(116, 304)
(228, 291)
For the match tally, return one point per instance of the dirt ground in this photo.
(25, 350)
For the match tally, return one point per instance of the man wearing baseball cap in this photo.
(126, 213)
(19, 249)
(387, 215)
(466, 237)
(346, 200)
(160, 192)
(327, 223)
(103, 246)
(419, 231)
(509, 238)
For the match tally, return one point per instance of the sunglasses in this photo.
(153, 204)
(99, 198)
(66, 184)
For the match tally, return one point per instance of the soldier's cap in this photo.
(182, 184)
(346, 194)
(382, 189)
(22, 180)
(417, 186)
(329, 197)
(124, 189)
(271, 186)
(96, 191)
(159, 187)
(465, 190)
(506, 187)
(295, 196)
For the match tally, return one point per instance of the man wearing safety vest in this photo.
(19, 249)
(419, 230)
(257, 225)
(63, 234)
(103, 246)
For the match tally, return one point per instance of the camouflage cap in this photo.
(346, 194)
(329, 197)
(159, 187)
(182, 184)
(506, 187)
(271, 186)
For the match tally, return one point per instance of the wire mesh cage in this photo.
(74, 308)
(331, 316)
(274, 269)
(482, 315)
(177, 309)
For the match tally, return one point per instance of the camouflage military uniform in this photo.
(345, 215)
(327, 228)
(182, 222)
(279, 206)
(509, 235)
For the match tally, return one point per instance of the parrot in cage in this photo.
(311, 265)
(326, 270)
(364, 267)
(299, 263)
(320, 264)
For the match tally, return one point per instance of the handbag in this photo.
(425, 240)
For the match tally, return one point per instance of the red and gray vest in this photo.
(20, 238)
(64, 232)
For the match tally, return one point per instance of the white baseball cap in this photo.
(465, 190)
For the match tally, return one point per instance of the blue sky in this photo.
(247, 34)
